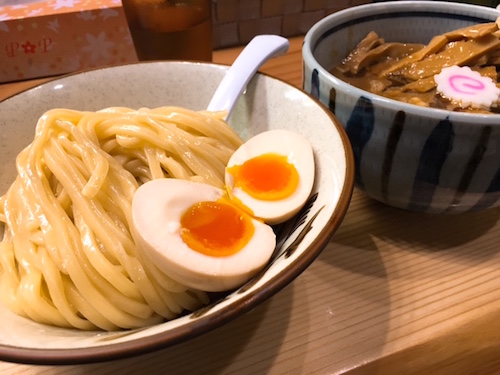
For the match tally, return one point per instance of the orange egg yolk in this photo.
(216, 228)
(266, 177)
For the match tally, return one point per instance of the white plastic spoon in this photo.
(260, 49)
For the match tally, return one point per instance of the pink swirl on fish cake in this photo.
(467, 87)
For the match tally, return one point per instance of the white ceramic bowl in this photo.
(411, 157)
(267, 104)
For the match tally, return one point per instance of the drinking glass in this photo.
(170, 29)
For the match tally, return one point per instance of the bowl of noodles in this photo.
(416, 145)
(75, 286)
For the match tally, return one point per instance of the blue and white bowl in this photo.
(411, 157)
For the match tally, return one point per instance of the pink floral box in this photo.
(46, 38)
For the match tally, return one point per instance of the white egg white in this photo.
(299, 152)
(157, 208)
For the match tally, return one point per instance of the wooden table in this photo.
(393, 293)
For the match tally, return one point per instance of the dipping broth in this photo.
(406, 72)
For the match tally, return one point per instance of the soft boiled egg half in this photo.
(271, 175)
(213, 239)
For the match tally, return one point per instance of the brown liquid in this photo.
(163, 31)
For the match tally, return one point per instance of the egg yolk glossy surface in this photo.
(271, 175)
(194, 235)
(267, 177)
(216, 228)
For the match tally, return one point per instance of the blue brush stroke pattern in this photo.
(471, 167)
(359, 128)
(315, 84)
(434, 153)
(491, 196)
(390, 151)
(332, 99)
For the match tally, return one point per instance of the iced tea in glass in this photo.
(170, 29)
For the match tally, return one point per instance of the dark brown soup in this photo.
(405, 72)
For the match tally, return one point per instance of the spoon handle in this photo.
(259, 50)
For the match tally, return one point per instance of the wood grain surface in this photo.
(394, 292)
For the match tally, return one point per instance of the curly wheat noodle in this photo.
(84, 276)
(153, 299)
(67, 257)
